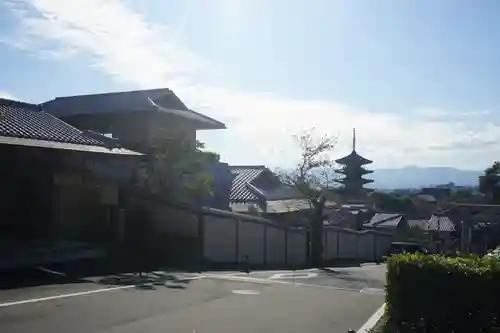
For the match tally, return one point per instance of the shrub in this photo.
(431, 293)
(495, 253)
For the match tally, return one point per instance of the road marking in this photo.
(83, 293)
(372, 291)
(373, 320)
(245, 292)
(46, 270)
(267, 281)
(370, 264)
(192, 278)
(293, 276)
(42, 299)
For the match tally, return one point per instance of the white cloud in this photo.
(7, 95)
(124, 45)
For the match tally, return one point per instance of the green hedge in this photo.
(495, 253)
(431, 293)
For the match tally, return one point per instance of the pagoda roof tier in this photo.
(350, 182)
(360, 170)
(353, 159)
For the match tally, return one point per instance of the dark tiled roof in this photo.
(384, 220)
(243, 175)
(112, 102)
(353, 158)
(440, 223)
(126, 101)
(23, 120)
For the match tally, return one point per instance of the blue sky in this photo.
(418, 79)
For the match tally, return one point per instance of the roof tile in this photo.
(384, 220)
(353, 158)
(240, 191)
(24, 120)
(440, 223)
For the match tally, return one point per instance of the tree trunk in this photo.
(317, 234)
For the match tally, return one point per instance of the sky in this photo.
(420, 80)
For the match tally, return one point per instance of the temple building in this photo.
(352, 172)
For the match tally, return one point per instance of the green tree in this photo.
(176, 169)
(396, 203)
(489, 183)
(463, 195)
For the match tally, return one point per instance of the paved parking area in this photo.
(210, 302)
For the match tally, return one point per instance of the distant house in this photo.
(427, 198)
(440, 224)
(441, 229)
(257, 186)
(350, 216)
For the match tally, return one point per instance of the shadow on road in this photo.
(147, 281)
(354, 277)
(85, 271)
(32, 277)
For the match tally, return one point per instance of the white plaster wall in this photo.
(366, 250)
(383, 242)
(220, 239)
(275, 246)
(347, 245)
(330, 247)
(175, 221)
(251, 242)
(296, 248)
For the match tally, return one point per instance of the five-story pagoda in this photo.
(352, 172)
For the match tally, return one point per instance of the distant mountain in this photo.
(417, 177)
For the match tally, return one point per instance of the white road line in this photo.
(192, 278)
(83, 293)
(267, 281)
(42, 299)
(373, 320)
(372, 291)
(46, 270)
(299, 275)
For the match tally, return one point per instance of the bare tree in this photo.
(313, 174)
(314, 171)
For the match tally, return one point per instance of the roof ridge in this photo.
(254, 188)
(248, 166)
(26, 105)
(388, 218)
(167, 90)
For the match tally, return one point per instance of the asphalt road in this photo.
(366, 278)
(216, 302)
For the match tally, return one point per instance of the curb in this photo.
(373, 320)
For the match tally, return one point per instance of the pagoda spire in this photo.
(354, 139)
(352, 171)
